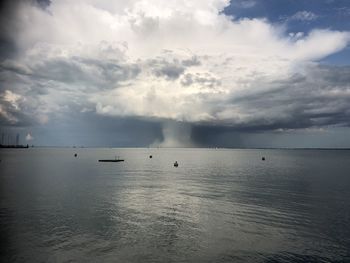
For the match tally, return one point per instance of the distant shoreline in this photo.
(209, 148)
(14, 146)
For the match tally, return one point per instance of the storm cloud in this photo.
(176, 63)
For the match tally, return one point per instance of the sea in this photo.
(218, 205)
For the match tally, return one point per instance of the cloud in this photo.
(244, 3)
(310, 99)
(332, 41)
(203, 79)
(170, 70)
(303, 16)
(103, 71)
(180, 61)
(10, 108)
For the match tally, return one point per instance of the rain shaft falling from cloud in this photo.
(175, 134)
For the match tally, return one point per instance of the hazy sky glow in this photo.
(176, 73)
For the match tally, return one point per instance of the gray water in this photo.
(217, 206)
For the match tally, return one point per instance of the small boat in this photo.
(176, 164)
(263, 158)
(112, 160)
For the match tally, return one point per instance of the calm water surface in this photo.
(217, 206)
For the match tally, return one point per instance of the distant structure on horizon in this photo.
(11, 143)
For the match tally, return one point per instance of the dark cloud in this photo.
(23, 120)
(55, 83)
(203, 79)
(163, 68)
(14, 114)
(113, 71)
(172, 69)
(92, 73)
(7, 43)
(7, 48)
(193, 61)
(8, 13)
(335, 75)
(319, 98)
(43, 3)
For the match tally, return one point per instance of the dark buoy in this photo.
(263, 158)
(75, 155)
(176, 164)
(150, 156)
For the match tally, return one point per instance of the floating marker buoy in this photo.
(263, 158)
(176, 164)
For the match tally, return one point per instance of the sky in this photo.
(176, 73)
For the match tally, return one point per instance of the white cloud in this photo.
(12, 98)
(309, 47)
(10, 104)
(247, 4)
(132, 58)
(303, 16)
